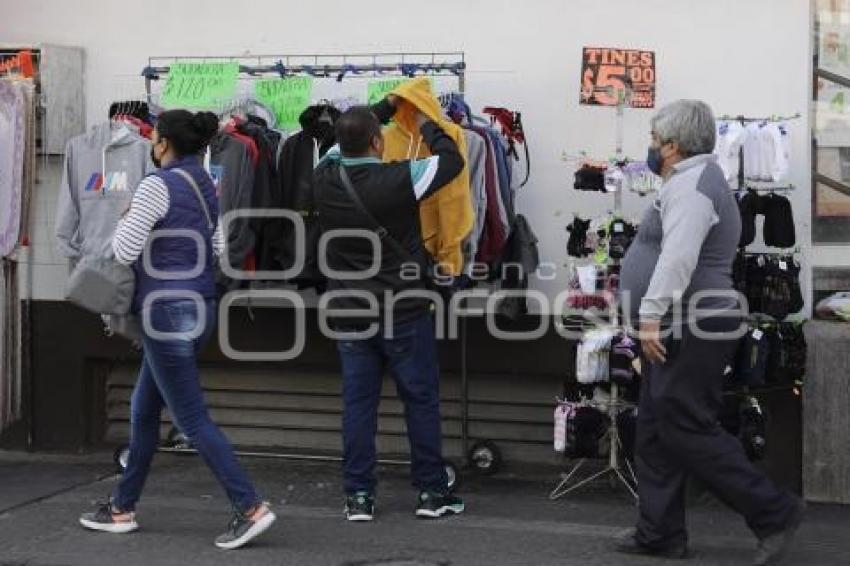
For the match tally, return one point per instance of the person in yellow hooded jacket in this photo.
(446, 217)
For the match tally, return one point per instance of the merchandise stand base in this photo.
(564, 488)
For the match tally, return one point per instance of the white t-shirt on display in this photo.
(730, 137)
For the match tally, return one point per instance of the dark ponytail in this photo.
(189, 133)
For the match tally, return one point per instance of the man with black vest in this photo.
(378, 296)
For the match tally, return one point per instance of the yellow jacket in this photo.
(447, 216)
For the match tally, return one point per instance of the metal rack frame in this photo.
(614, 465)
(337, 66)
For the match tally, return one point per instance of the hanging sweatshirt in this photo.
(300, 155)
(102, 169)
(494, 234)
(497, 190)
(477, 160)
(730, 138)
(753, 169)
(503, 170)
(446, 217)
(232, 172)
(781, 157)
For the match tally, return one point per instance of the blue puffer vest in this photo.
(180, 253)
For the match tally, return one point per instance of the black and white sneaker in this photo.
(241, 530)
(434, 505)
(360, 507)
(105, 519)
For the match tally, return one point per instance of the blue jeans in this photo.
(411, 356)
(169, 377)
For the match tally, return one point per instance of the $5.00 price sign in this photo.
(607, 71)
(199, 85)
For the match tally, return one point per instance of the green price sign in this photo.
(377, 90)
(287, 98)
(199, 85)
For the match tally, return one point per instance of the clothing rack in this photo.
(335, 71)
(758, 189)
(789, 252)
(615, 403)
(748, 120)
(339, 67)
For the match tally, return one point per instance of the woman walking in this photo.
(171, 237)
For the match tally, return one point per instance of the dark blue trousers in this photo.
(169, 378)
(410, 355)
(679, 434)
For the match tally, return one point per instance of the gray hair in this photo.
(690, 123)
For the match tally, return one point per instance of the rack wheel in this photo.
(121, 457)
(485, 457)
(453, 475)
(176, 439)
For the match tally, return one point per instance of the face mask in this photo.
(654, 160)
(156, 162)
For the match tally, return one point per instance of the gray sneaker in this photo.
(773, 548)
(241, 530)
(104, 519)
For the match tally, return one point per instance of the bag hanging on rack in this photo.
(584, 437)
(752, 358)
(620, 237)
(564, 413)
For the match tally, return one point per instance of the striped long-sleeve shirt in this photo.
(149, 205)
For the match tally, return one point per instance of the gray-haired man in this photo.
(677, 279)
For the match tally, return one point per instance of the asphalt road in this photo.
(509, 521)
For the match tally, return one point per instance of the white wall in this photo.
(747, 57)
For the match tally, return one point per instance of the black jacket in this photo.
(295, 192)
(387, 191)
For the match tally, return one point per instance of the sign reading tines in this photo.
(199, 85)
(607, 73)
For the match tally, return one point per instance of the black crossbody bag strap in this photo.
(376, 227)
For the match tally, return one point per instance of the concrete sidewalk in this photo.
(510, 521)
